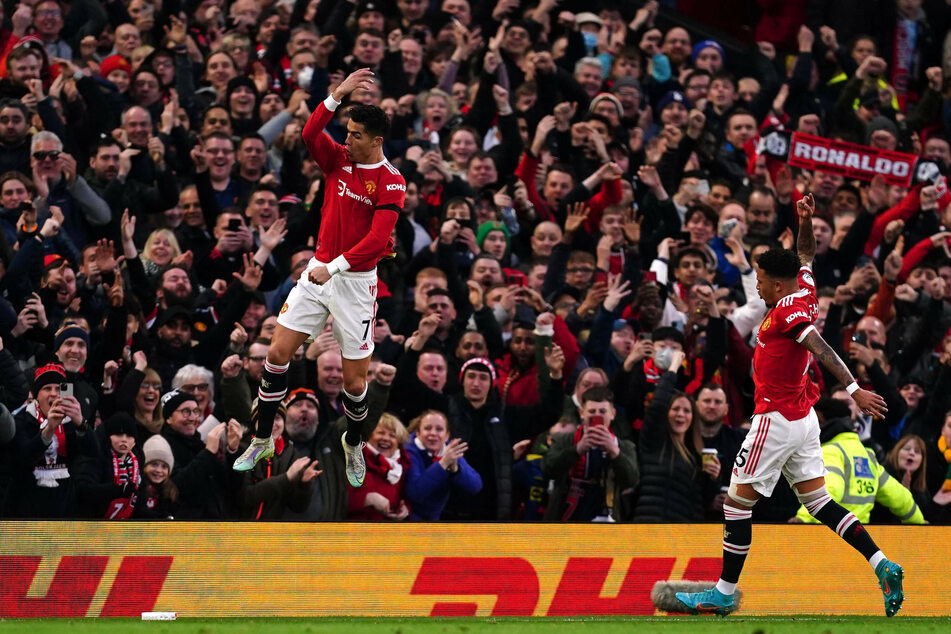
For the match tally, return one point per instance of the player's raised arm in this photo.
(328, 154)
(869, 402)
(806, 244)
(360, 78)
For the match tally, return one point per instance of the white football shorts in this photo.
(775, 444)
(349, 296)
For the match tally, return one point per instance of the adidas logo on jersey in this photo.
(365, 347)
(348, 169)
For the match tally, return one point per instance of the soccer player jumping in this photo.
(363, 197)
(784, 436)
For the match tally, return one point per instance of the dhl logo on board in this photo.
(55, 569)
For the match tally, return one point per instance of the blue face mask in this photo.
(590, 40)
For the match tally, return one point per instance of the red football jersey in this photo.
(780, 362)
(361, 202)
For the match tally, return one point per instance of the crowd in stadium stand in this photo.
(565, 332)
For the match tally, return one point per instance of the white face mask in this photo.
(304, 77)
(662, 358)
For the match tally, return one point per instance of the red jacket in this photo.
(523, 389)
(376, 482)
(609, 194)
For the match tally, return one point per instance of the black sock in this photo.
(737, 537)
(355, 407)
(270, 394)
(844, 523)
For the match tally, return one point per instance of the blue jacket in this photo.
(428, 484)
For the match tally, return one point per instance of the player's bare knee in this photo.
(742, 495)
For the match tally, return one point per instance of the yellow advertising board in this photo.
(220, 569)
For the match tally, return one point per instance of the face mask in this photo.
(304, 77)
(590, 40)
(662, 358)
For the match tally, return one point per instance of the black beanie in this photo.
(171, 401)
(119, 423)
(48, 374)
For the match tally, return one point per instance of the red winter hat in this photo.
(47, 374)
(114, 62)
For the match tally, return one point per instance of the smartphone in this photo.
(596, 420)
(685, 237)
(649, 276)
(727, 227)
(703, 188)
(860, 338)
(65, 389)
(234, 224)
(516, 279)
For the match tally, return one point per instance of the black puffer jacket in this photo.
(670, 486)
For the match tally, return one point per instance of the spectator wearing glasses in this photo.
(48, 24)
(58, 183)
(200, 472)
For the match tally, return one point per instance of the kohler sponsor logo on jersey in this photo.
(343, 190)
(793, 316)
(396, 187)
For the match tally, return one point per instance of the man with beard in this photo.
(761, 215)
(677, 48)
(173, 325)
(713, 408)
(111, 174)
(14, 136)
(518, 370)
(214, 158)
(319, 439)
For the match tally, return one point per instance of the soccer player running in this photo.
(784, 436)
(363, 197)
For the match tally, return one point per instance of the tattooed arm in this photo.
(869, 402)
(806, 243)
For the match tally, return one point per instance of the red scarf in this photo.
(580, 476)
(123, 472)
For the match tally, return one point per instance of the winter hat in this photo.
(621, 323)
(157, 448)
(47, 375)
(880, 123)
(493, 225)
(606, 96)
(300, 394)
(68, 332)
(626, 82)
(671, 97)
(699, 46)
(119, 423)
(478, 363)
(114, 62)
(171, 401)
(236, 82)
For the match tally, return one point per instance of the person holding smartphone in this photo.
(51, 435)
(591, 466)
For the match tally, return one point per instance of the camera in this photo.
(65, 389)
(860, 338)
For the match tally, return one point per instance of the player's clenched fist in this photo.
(318, 275)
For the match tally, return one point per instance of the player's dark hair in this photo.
(373, 120)
(598, 395)
(779, 264)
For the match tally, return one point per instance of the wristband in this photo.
(852, 388)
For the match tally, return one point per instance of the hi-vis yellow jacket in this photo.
(856, 480)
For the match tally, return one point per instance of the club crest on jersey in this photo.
(371, 186)
(766, 324)
(807, 278)
(284, 308)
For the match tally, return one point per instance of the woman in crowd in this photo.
(383, 494)
(437, 466)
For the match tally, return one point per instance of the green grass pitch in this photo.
(585, 625)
